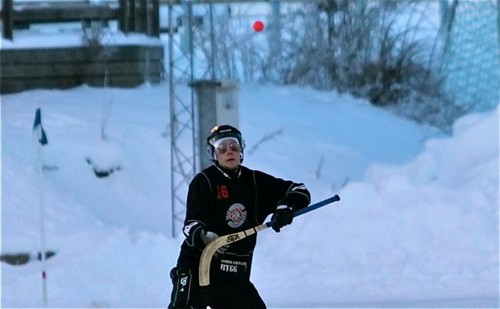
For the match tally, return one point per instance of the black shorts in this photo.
(235, 295)
(187, 293)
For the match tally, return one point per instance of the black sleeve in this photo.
(199, 199)
(297, 196)
(272, 190)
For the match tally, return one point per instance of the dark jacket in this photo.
(224, 203)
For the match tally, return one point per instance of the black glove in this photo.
(281, 217)
(211, 236)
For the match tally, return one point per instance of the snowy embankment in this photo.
(417, 224)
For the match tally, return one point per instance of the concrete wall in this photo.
(113, 66)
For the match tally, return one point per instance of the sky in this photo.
(417, 224)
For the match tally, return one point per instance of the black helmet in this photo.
(223, 131)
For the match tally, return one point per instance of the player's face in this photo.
(228, 154)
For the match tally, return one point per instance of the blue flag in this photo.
(38, 129)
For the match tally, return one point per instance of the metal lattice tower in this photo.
(182, 154)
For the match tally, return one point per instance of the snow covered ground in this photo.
(417, 225)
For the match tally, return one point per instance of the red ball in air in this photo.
(258, 26)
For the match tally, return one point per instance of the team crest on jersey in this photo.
(236, 215)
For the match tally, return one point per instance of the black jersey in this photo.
(224, 203)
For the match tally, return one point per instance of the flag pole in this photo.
(41, 139)
(42, 224)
